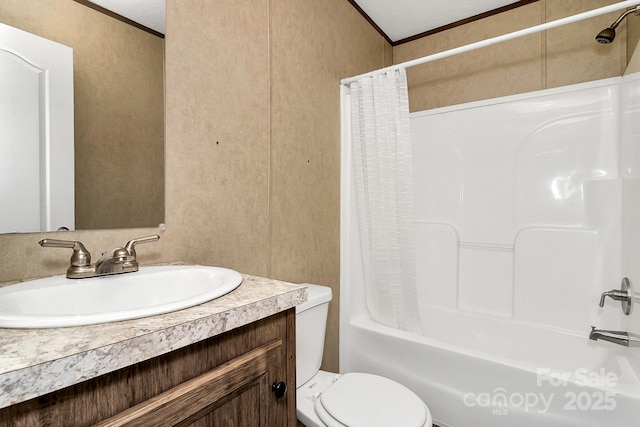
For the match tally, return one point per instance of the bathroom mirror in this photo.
(118, 79)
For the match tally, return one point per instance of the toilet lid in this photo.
(365, 400)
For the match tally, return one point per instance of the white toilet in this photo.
(353, 399)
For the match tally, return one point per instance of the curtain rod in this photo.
(498, 39)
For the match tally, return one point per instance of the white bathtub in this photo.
(524, 216)
(528, 377)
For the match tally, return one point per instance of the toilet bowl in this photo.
(351, 399)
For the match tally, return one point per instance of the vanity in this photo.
(229, 361)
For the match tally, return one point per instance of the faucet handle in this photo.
(81, 256)
(131, 244)
(625, 295)
(80, 259)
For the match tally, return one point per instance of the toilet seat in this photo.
(366, 400)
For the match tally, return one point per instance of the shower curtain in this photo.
(383, 177)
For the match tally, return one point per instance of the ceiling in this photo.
(401, 19)
(398, 19)
(149, 13)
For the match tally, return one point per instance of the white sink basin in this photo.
(56, 301)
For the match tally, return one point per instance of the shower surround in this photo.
(525, 212)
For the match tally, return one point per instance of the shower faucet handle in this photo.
(624, 294)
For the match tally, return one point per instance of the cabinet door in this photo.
(236, 393)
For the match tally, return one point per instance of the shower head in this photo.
(607, 35)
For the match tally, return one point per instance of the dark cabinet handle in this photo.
(279, 388)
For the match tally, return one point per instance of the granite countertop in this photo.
(34, 362)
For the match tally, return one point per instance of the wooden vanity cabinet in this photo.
(228, 380)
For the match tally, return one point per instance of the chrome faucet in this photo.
(624, 295)
(118, 260)
(616, 337)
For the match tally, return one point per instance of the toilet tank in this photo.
(311, 325)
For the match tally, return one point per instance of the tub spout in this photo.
(616, 337)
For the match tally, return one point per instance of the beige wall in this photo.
(253, 134)
(557, 57)
(633, 47)
(634, 62)
(119, 110)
